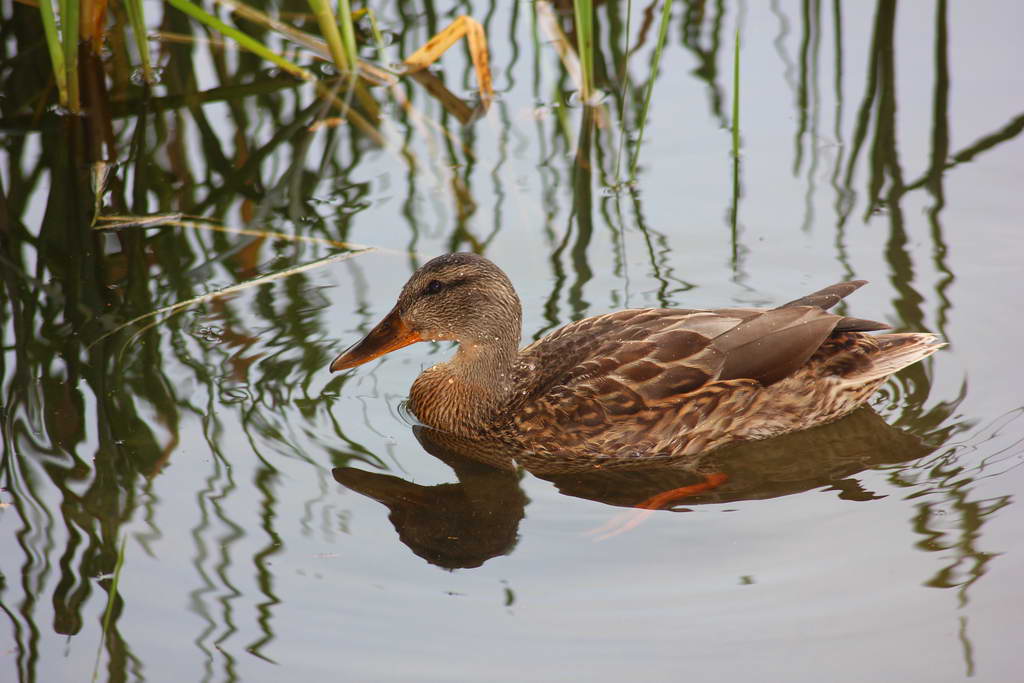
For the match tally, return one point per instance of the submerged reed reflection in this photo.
(949, 515)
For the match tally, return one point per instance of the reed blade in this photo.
(69, 11)
(583, 13)
(137, 19)
(348, 32)
(56, 49)
(329, 27)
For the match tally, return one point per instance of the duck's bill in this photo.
(389, 334)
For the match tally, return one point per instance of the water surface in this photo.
(281, 522)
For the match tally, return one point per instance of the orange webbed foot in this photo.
(626, 521)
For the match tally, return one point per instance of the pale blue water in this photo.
(209, 444)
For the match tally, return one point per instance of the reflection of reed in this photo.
(949, 520)
(215, 539)
(879, 105)
(692, 32)
(64, 285)
(54, 293)
(886, 187)
(939, 153)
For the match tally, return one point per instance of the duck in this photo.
(635, 384)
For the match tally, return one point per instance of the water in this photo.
(283, 522)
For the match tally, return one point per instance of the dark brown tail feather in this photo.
(829, 296)
(859, 325)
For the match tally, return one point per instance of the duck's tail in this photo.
(895, 352)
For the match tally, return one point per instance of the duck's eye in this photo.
(433, 287)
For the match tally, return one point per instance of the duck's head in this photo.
(456, 297)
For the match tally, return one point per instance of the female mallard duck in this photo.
(635, 383)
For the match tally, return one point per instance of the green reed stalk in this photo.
(348, 31)
(137, 19)
(69, 32)
(53, 44)
(583, 14)
(736, 97)
(329, 27)
(666, 13)
(242, 39)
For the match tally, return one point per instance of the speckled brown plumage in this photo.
(634, 383)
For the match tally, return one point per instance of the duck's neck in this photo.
(468, 394)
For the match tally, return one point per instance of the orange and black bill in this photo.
(389, 334)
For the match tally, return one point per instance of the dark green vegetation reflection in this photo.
(255, 193)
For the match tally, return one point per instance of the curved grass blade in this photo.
(241, 286)
(124, 222)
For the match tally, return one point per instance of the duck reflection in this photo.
(464, 524)
(458, 525)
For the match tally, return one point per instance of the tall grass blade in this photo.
(666, 13)
(583, 12)
(329, 28)
(69, 33)
(348, 31)
(137, 19)
(56, 49)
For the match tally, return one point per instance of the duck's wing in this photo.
(652, 354)
(632, 362)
